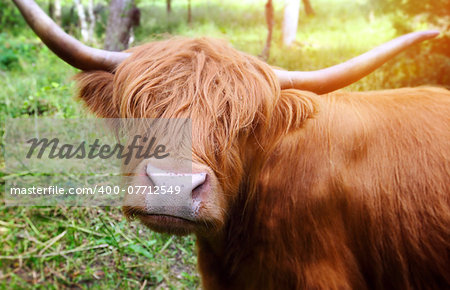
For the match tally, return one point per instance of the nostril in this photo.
(197, 180)
(199, 187)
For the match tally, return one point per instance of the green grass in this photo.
(89, 248)
(97, 248)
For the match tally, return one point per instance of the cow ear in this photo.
(95, 89)
(291, 110)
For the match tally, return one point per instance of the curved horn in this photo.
(341, 75)
(65, 46)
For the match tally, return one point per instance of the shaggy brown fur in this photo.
(356, 199)
(342, 191)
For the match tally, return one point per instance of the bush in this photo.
(10, 15)
(12, 49)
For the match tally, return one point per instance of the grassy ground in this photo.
(95, 247)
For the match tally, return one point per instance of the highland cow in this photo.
(295, 186)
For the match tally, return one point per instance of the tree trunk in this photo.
(189, 18)
(82, 20)
(168, 6)
(308, 8)
(290, 21)
(119, 24)
(269, 20)
(51, 9)
(57, 11)
(90, 12)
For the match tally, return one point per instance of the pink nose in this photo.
(170, 193)
(183, 183)
(183, 195)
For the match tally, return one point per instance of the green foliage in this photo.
(9, 15)
(7, 58)
(408, 14)
(419, 65)
(106, 252)
(69, 18)
(34, 81)
(12, 48)
(436, 8)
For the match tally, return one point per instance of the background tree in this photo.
(409, 12)
(290, 21)
(86, 19)
(308, 8)
(82, 20)
(120, 24)
(431, 60)
(168, 6)
(92, 20)
(57, 12)
(189, 12)
(269, 11)
(54, 10)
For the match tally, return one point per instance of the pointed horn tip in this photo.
(430, 33)
(287, 80)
